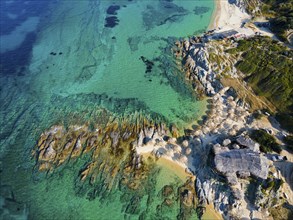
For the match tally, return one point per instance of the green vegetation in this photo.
(268, 66)
(251, 6)
(281, 212)
(281, 13)
(251, 190)
(272, 184)
(286, 120)
(267, 142)
(289, 142)
(257, 115)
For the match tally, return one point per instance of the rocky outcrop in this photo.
(211, 192)
(248, 143)
(238, 3)
(240, 161)
(114, 139)
(188, 199)
(269, 194)
(250, 6)
(195, 58)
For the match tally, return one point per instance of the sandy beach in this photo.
(210, 213)
(227, 16)
(152, 149)
(179, 169)
(171, 165)
(215, 15)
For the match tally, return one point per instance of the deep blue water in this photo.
(12, 15)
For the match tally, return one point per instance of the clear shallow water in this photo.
(58, 60)
(93, 59)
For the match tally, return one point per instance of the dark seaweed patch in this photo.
(54, 54)
(199, 10)
(171, 19)
(111, 21)
(168, 6)
(149, 64)
(165, 12)
(112, 10)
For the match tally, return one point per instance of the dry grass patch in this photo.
(247, 95)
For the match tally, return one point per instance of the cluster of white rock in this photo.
(239, 3)
(236, 159)
(208, 193)
(198, 65)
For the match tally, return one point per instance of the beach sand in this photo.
(172, 165)
(179, 170)
(227, 16)
(211, 214)
(216, 14)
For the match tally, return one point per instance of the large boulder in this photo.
(241, 160)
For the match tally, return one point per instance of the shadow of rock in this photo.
(200, 122)
(210, 101)
(209, 106)
(195, 127)
(286, 169)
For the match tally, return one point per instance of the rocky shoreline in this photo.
(207, 152)
(224, 135)
(194, 55)
(111, 161)
(228, 169)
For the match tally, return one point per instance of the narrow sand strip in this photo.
(227, 16)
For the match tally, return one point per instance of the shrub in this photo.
(286, 121)
(289, 142)
(267, 142)
(282, 16)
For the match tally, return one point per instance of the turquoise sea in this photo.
(63, 59)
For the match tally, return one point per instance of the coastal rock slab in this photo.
(243, 161)
(248, 143)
